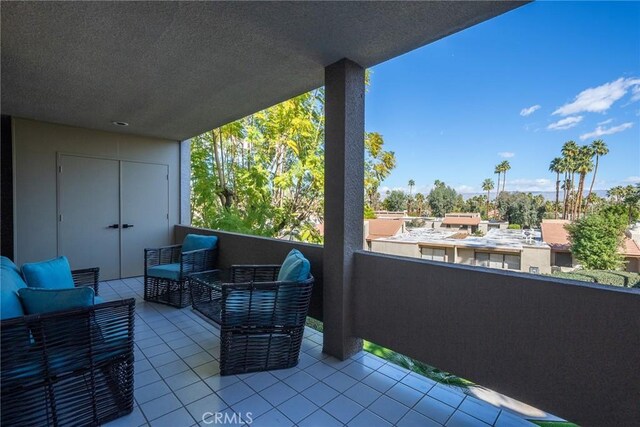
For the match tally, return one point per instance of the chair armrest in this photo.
(254, 273)
(87, 277)
(164, 255)
(198, 261)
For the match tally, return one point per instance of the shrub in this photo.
(514, 227)
(605, 277)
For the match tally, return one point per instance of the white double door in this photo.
(109, 211)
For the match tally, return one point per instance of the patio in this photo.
(177, 382)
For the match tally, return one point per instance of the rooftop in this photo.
(494, 239)
(177, 381)
(556, 236)
(380, 228)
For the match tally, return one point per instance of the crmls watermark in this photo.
(227, 417)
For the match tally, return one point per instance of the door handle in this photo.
(114, 226)
(127, 225)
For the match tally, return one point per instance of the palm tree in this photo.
(570, 153)
(584, 165)
(504, 166)
(599, 149)
(487, 185)
(556, 167)
(412, 183)
(497, 170)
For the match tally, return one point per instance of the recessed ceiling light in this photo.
(120, 123)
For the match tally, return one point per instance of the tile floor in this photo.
(177, 382)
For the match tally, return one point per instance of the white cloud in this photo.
(599, 131)
(599, 99)
(525, 184)
(632, 179)
(566, 123)
(465, 189)
(528, 111)
(636, 93)
(606, 122)
(506, 154)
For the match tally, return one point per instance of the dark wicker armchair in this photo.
(261, 320)
(166, 270)
(72, 367)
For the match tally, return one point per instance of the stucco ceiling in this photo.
(175, 69)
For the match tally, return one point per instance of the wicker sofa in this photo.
(70, 367)
(261, 318)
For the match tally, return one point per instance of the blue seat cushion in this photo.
(165, 271)
(194, 242)
(10, 282)
(295, 268)
(38, 301)
(51, 274)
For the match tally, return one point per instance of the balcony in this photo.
(565, 347)
(177, 383)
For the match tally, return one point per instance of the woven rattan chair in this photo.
(166, 270)
(261, 320)
(71, 367)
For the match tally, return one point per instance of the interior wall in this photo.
(36, 145)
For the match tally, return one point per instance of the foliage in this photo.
(264, 174)
(514, 227)
(606, 277)
(395, 201)
(596, 238)
(476, 204)
(443, 199)
(416, 366)
(369, 213)
(521, 208)
(378, 165)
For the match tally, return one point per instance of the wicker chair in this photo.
(172, 289)
(71, 367)
(261, 320)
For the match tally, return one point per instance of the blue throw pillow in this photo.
(52, 274)
(10, 282)
(294, 268)
(194, 242)
(7, 263)
(36, 301)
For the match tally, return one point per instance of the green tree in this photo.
(443, 199)
(521, 208)
(395, 201)
(599, 149)
(487, 185)
(378, 166)
(596, 238)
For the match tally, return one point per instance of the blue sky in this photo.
(454, 109)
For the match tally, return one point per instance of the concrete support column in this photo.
(344, 201)
(185, 182)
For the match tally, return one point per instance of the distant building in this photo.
(555, 234)
(516, 250)
(381, 228)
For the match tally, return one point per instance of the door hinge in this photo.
(59, 169)
(60, 217)
(167, 177)
(167, 216)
